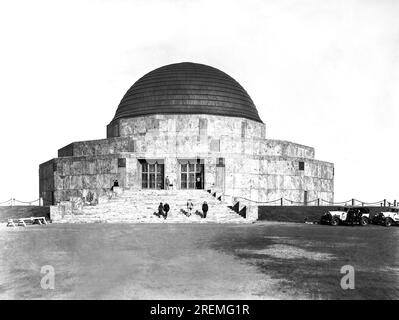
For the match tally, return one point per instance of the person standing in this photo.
(160, 210)
(204, 209)
(198, 182)
(167, 183)
(189, 207)
(166, 210)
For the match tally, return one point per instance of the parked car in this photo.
(387, 218)
(347, 215)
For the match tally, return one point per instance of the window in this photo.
(155, 124)
(215, 145)
(122, 163)
(301, 165)
(220, 162)
(192, 175)
(152, 175)
(113, 130)
(131, 146)
(203, 126)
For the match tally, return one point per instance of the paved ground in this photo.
(187, 261)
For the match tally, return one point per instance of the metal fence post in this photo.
(353, 202)
(281, 201)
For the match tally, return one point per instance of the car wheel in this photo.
(388, 222)
(334, 222)
(364, 221)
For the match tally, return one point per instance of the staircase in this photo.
(140, 205)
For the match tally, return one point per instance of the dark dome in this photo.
(187, 88)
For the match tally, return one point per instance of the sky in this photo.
(322, 73)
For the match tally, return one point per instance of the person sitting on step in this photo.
(116, 184)
(166, 210)
(160, 210)
(189, 207)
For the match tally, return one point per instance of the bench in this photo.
(25, 221)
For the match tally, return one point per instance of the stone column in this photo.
(133, 178)
(210, 172)
(172, 171)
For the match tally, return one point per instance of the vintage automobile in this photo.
(347, 215)
(387, 218)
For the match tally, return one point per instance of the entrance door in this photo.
(192, 175)
(152, 175)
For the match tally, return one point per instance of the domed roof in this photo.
(187, 88)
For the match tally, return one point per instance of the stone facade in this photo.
(237, 160)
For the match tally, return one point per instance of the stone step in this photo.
(140, 205)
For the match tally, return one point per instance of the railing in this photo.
(315, 202)
(279, 201)
(14, 202)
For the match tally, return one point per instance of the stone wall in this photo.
(283, 148)
(97, 147)
(199, 135)
(190, 125)
(76, 176)
(282, 177)
(255, 168)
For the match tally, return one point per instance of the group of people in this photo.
(190, 209)
(163, 209)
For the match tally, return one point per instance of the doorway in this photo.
(191, 174)
(152, 174)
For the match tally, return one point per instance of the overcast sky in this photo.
(322, 73)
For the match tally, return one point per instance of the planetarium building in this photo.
(196, 126)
